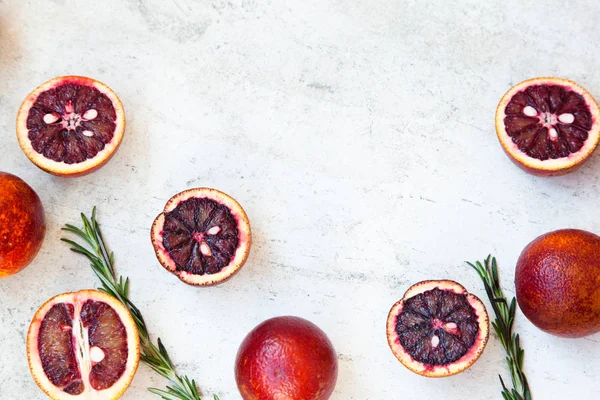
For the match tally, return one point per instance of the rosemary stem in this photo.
(503, 326)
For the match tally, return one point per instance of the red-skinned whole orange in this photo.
(286, 358)
(22, 224)
(558, 282)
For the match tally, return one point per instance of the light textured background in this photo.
(359, 138)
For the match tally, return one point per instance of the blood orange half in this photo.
(437, 329)
(548, 126)
(202, 236)
(70, 125)
(83, 345)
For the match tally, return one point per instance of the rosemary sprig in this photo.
(155, 356)
(503, 325)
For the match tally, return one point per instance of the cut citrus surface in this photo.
(548, 126)
(83, 345)
(70, 125)
(202, 236)
(437, 329)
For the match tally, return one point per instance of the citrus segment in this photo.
(548, 126)
(56, 349)
(70, 125)
(107, 339)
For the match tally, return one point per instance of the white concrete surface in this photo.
(358, 136)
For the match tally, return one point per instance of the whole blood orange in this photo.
(22, 224)
(83, 345)
(286, 358)
(548, 126)
(557, 280)
(202, 236)
(70, 125)
(437, 329)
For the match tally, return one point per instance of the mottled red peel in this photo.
(286, 358)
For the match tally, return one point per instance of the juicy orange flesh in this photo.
(187, 230)
(59, 342)
(57, 349)
(437, 327)
(532, 133)
(67, 135)
(107, 332)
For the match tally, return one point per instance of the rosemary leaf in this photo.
(503, 325)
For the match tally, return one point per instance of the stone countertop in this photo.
(357, 135)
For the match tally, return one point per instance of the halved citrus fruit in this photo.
(437, 329)
(70, 125)
(548, 126)
(202, 236)
(83, 345)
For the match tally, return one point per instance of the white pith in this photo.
(199, 237)
(62, 168)
(82, 347)
(243, 227)
(550, 164)
(548, 120)
(71, 120)
(449, 327)
(84, 355)
(438, 371)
